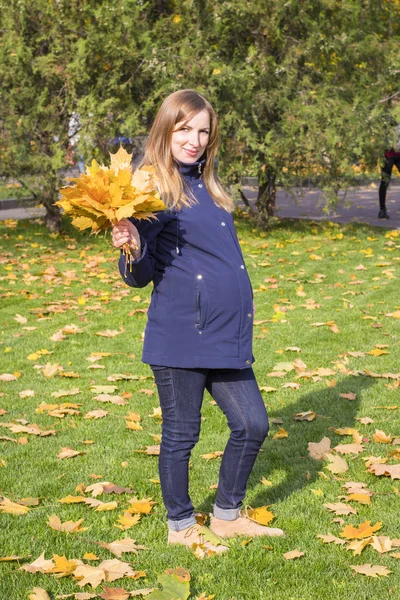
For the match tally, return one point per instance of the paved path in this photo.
(360, 206)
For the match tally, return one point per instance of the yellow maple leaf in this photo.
(362, 531)
(144, 506)
(280, 434)
(260, 515)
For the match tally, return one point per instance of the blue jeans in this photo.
(181, 394)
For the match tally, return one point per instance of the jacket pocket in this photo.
(200, 307)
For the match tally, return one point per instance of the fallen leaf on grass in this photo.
(144, 506)
(371, 570)
(117, 400)
(337, 464)
(173, 588)
(212, 455)
(341, 509)
(39, 594)
(109, 333)
(293, 554)
(126, 521)
(349, 448)
(114, 594)
(305, 416)
(349, 396)
(365, 420)
(281, 434)
(40, 565)
(13, 508)
(381, 543)
(120, 546)
(69, 453)
(319, 450)
(10, 558)
(381, 437)
(260, 515)
(392, 471)
(362, 531)
(357, 546)
(67, 527)
(96, 414)
(330, 538)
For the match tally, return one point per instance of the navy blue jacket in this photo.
(201, 313)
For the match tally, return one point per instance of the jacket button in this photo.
(223, 224)
(200, 185)
(242, 266)
(249, 315)
(248, 362)
(199, 276)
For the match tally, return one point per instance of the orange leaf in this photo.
(364, 530)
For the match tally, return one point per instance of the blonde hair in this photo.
(180, 107)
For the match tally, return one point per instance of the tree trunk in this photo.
(49, 196)
(265, 203)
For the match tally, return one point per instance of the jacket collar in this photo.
(192, 170)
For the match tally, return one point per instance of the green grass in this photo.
(45, 279)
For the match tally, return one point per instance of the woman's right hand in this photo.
(125, 232)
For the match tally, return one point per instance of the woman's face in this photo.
(189, 140)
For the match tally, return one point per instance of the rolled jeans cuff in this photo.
(182, 524)
(226, 514)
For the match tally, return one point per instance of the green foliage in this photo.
(301, 88)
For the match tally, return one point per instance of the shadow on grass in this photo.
(287, 460)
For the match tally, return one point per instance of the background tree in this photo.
(61, 58)
(301, 87)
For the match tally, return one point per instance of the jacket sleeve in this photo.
(141, 271)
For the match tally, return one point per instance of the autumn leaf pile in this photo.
(81, 513)
(104, 195)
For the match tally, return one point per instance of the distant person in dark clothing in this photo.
(392, 158)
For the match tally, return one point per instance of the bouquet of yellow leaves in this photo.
(104, 195)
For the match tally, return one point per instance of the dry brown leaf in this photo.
(89, 575)
(293, 554)
(72, 499)
(110, 333)
(337, 464)
(39, 594)
(362, 531)
(96, 414)
(380, 437)
(381, 543)
(40, 565)
(392, 471)
(12, 508)
(349, 448)
(117, 400)
(150, 450)
(319, 450)
(69, 453)
(309, 415)
(341, 509)
(114, 594)
(365, 420)
(120, 546)
(67, 527)
(330, 538)
(212, 455)
(371, 570)
(115, 569)
(357, 546)
(348, 396)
